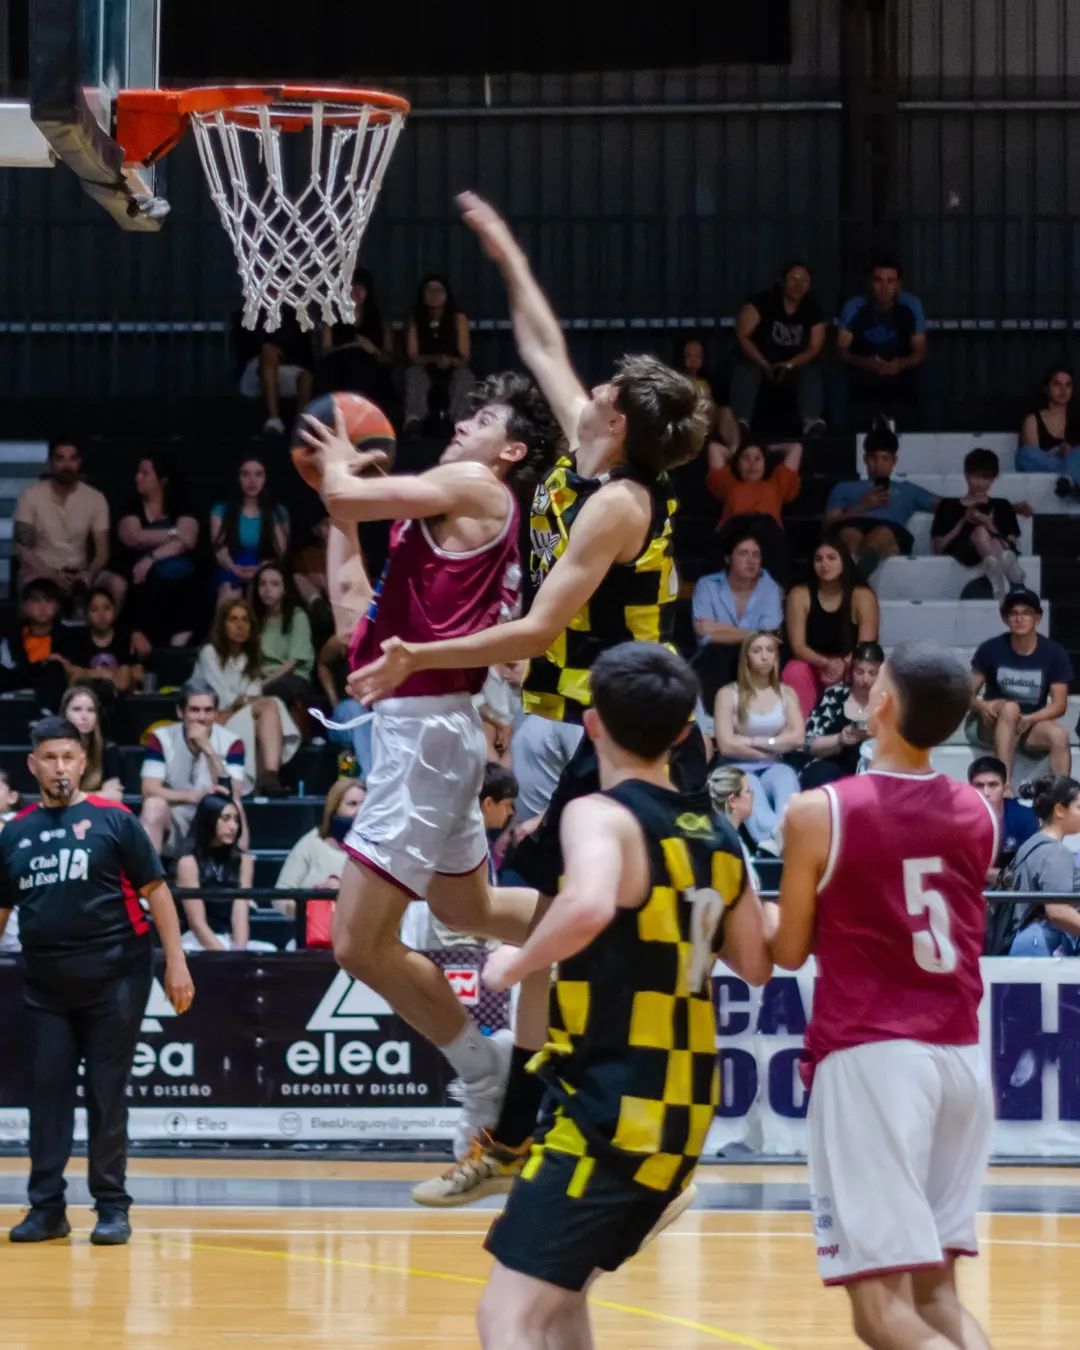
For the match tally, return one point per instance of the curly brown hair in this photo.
(530, 421)
(220, 643)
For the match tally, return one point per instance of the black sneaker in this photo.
(41, 1225)
(112, 1228)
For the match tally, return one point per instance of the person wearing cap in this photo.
(870, 515)
(1020, 687)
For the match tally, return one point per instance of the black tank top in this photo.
(438, 338)
(831, 634)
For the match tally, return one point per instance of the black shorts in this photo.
(904, 541)
(563, 1239)
(538, 858)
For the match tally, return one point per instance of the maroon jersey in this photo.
(900, 913)
(426, 594)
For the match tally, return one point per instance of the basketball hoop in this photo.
(296, 243)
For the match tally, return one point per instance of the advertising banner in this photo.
(287, 1048)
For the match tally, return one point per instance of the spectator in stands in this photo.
(317, 859)
(1043, 863)
(1050, 435)
(836, 728)
(497, 795)
(248, 529)
(439, 346)
(827, 617)
(282, 367)
(62, 526)
(691, 361)
(9, 800)
(286, 653)
(159, 534)
(229, 663)
(754, 491)
(211, 856)
(309, 564)
(726, 606)
(30, 651)
(732, 797)
(184, 761)
(780, 334)
(881, 346)
(358, 355)
(758, 720)
(870, 515)
(104, 770)
(101, 653)
(499, 706)
(1020, 687)
(1016, 822)
(979, 530)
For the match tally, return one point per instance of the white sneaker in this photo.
(482, 1099)
(489, 1169)
(995, 574)
(274, 426)
(1010, 565)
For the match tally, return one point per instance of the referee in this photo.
(76, 865)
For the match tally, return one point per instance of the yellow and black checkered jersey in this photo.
(635, 600)
(631, 1058)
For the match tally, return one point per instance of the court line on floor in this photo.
(414, 1272)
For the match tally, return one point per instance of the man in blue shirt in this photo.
(881, 347)
(727, 607)
(1016, 822)
(870, 515)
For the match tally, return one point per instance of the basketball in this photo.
(367, 426)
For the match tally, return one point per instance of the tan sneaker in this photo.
(679, 1205)
(487, 1169)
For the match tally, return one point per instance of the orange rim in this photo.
(150, 122)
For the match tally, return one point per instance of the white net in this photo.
(296, 242)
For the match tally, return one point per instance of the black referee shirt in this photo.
(75, 873)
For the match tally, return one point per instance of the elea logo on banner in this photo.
(175, 1059)
(465, 984)
(348, 1005)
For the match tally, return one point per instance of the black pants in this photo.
(88, 1010)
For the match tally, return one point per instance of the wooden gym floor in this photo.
(280, 1253)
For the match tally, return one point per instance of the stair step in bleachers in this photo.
(1037, 489)
(938, 578)
(945, 621)
(943, 452)
(954, 760)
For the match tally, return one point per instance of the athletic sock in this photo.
(521, 1105)
(470, 1053)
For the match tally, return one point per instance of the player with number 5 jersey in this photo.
(882, 883)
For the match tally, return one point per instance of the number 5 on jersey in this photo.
(934, 950)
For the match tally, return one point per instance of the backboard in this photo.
(81, 53)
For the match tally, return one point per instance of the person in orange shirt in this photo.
(28, 655)
(754, 492)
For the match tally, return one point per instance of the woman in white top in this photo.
(230, 664)
(758, 719)
(317, 859)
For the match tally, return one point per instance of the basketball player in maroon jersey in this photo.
(453, 568)
(882, 883)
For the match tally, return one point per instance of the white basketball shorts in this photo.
(899, 1136)
(421, 814)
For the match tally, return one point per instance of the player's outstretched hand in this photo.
(498, 968)
(494, 234)
(179, 989)
(380, 678)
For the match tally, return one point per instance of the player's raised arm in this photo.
(605, 866)
(598, 537)
(807, 833)
(539, 338)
